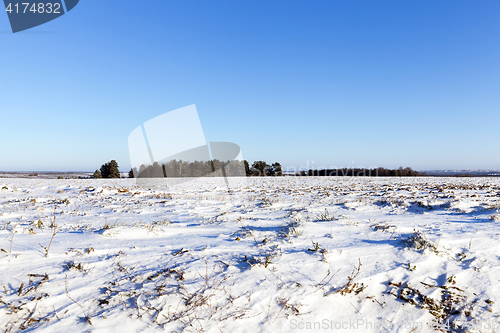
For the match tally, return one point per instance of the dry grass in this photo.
(167, 299)
(495, 217)
(350, 286)
(418, 241)
(448, 311)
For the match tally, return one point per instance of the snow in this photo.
(277, 254)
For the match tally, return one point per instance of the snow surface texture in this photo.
(282, 254)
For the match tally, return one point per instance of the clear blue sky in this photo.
(340, 83)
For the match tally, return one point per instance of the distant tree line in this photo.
(216, 168)
(363, 172)
(210, 168)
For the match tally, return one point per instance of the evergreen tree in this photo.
(156, 171)
(270, 170)
(235, 169)
(105, 170)
(97, 174)
(141, 173)
(248, 172)
(259, 168)
(131, 173)
(110, 170)
(277, 169)
(114, 172)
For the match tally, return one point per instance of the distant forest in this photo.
(211, 168)
(216, 168)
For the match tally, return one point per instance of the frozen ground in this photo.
(284, 254)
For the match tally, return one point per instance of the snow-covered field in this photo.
(283, 254)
